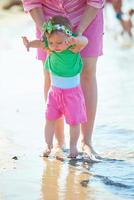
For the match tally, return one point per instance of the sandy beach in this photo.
(24, 174)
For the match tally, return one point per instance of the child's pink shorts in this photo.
(67, 102)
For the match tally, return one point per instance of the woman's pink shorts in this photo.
(67, 102)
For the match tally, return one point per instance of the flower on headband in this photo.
(47, 27)
(68, 32)
(62, 28)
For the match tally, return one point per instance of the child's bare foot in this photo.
(73, 152)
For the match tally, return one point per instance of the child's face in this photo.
(57, 41)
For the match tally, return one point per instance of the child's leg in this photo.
(49, 133)
(74, 135)
(59, 126)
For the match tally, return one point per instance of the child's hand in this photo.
(77, 43)
(26, 42)
(70, 41)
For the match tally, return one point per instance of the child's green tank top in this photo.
(65, 63)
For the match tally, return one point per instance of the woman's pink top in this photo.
(73, 10)
(109, 1)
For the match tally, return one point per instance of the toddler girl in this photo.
(64, 65)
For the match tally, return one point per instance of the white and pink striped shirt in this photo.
(73, 9)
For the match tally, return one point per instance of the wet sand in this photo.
(24, 174)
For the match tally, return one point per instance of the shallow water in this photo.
(21, 126)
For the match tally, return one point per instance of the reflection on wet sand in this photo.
(50, 179)
(62, 181)
(72, 179)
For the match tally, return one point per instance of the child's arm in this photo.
(32, 44)
(78, 43)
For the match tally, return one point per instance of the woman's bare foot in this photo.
(59, 146)
(93, 151)
(47, 151)
(73, 152)
(90, 152)
(58, 153)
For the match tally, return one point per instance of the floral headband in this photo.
(49, 27)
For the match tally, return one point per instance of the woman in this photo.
(86, 17)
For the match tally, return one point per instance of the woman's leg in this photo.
(59, 126)
(89, 87)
